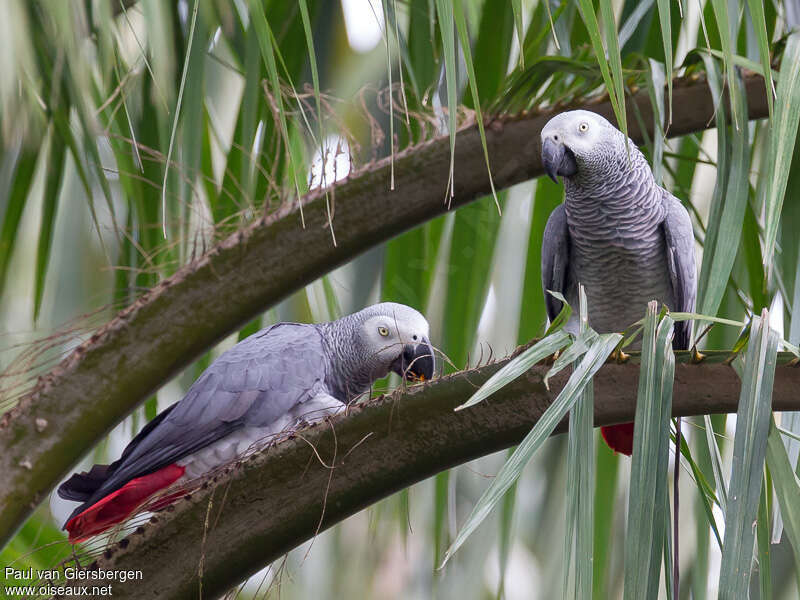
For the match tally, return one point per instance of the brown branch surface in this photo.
(277, 500)
(103, 380)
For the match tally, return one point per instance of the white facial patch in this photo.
(395, 326)
(579, 130)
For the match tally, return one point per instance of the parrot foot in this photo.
(697, 356)
(618, 356)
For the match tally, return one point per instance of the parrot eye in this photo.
(383, 331)
(583, 127)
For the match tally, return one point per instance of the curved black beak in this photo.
(416, 363)
(557, 159)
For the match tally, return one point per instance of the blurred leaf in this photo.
(422, 42)
(56, 159)
(667, 551)
(237, 178)
(749, 449)
(192, 124)
(762, 540)
(440, 511)
(444, 10)
(461, 27)
(727, 32)
(787, 489)
(405, 57)
(605, 496)
(614, 86)
(788, 260)
(506, 532)
(469, 271)
(701, 468)
(407, 275)
(492, 48)
(265, 42)
(705, 491)
(716, 465)
(543, 29)
(738, 60)
(563, 316)
(176, 118)
(750, 256)
(684, 316)
(666, 39)
(790, 427)
(389, 70)
(39, 544)
(60, 73)
(518, 366)
(150, 409)
(536, 85)
(783, 133)
(760, 27)
(728, 204)
(614, 61)
(580, 481)
(312, 58)
(516, 5)
(145, 206)
(648, 495)
(579, 346)
(655, 89)
(635, 23)
(512, 469)
(90, 144)
(22, 176)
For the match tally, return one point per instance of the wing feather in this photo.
(555, 259)
(253, 384)
(679, 238)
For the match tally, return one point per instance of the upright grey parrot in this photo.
(621, 235)
(268, 383)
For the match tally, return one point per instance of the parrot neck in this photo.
(353, 369)
(610, 171)
(619, 190)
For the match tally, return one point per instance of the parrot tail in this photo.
(121, 503)
(619, 437)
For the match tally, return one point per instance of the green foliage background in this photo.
(134, 135)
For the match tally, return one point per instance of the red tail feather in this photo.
(120, 504)
(619, 437)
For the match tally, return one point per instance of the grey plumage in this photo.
(274, 379)
(621, 235)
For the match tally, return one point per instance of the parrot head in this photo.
(396, 336)
(576, 141)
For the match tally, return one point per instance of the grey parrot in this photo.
(619, 233)
(268, 383)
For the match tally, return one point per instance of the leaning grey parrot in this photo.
(619, 233)
(266, 384)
